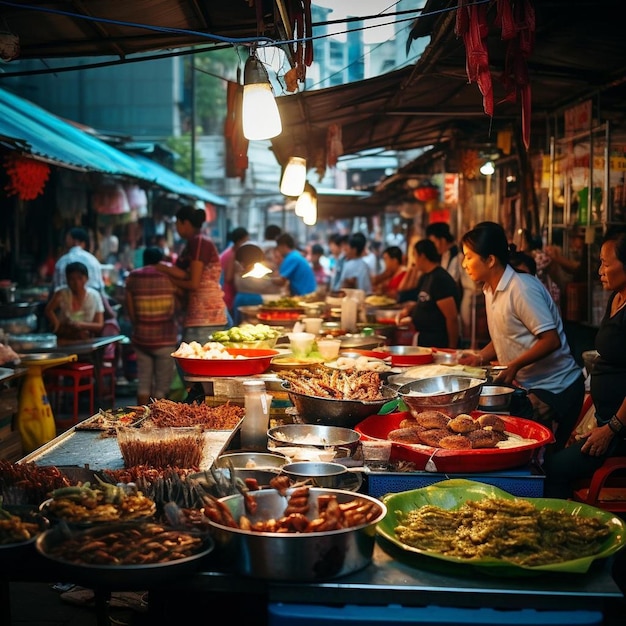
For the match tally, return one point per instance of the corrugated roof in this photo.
(26, 127)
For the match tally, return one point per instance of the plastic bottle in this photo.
(349, 310)
(256, 419)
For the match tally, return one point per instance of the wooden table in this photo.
(91, 350)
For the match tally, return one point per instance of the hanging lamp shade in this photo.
(294, 177)
(308, 205)
(305, 199)
(260, 116)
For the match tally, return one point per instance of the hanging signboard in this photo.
(578, 118)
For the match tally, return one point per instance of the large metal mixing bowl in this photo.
(336, 412)
(450, 394)
(295, 557)
(337, 438)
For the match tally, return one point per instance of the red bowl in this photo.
(480, 460)
(403, 356)
(254, 361)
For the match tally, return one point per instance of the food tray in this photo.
(254, 361)
(90, 449)
(118, 577)
(109, 420)
(480, 460)
(451, 494)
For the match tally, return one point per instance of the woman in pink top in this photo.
(197, 275)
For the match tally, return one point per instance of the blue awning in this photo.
(26, 127)
(168, 179)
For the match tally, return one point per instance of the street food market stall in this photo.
(394, 583)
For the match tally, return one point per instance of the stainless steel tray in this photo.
(90, 449)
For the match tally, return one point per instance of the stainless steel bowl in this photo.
(295, 557)
(319, 474)
(495, 397)
(336, 412)
(361, 342)
(450, 394)
(260, 466)
(340, 439)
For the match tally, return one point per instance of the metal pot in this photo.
(315, 436)
(361, 342)
(335, 411)
(295, 557)
(450, 394)
(495, 397)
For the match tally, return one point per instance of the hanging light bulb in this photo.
(305, 199)
(310, 217)
(294, 177)
(308, 205)
(488, 168)
(259, 270)
(260, 116)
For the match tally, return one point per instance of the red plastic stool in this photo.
(108, 389)
(80, 377)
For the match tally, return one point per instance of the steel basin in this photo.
(495, 397)
(295, 557)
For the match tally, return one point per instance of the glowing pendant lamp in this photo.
(260, 116)
(306, 205)
(294, 177)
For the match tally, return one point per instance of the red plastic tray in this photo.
(482, 460)
(256, 361)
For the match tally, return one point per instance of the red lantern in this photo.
(426, 192)
(28, 177)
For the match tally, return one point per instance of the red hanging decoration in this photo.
(27, 177)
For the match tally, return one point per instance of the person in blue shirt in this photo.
(294, 268)
(355, 273)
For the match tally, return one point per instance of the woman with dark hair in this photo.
(526, 332)
(75, 311)
(608, 381)
(432, 305)
(237, 237)
(197, 275)
(388, 281)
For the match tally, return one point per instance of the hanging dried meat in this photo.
(516, 19)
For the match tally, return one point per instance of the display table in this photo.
(404, 587)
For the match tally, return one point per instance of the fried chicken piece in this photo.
(433, 436)
(432, 419)
(483, 438)
(463, 423)
(489, 420)
(455, 442)
(405, 435)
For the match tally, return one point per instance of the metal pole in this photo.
(193, 120)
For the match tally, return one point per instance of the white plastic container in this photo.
(257, 415)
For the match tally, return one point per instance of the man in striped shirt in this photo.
(151, 305)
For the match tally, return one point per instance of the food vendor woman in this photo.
(526, 333)
(608, 375)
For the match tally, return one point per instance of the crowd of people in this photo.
(188, 296)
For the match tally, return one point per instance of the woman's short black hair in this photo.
(76, 268)
(189, 213)
(486, 239)
(618, 235)
(394, 252)
(428, 249)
